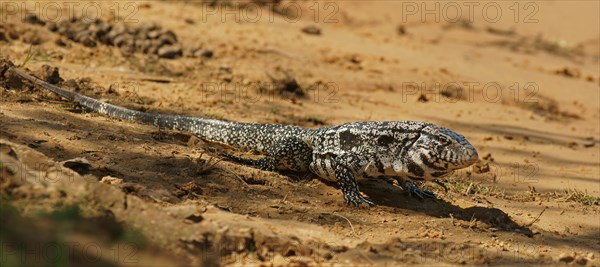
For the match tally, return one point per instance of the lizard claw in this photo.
(440, 183)
(357, 200)
(414, 190)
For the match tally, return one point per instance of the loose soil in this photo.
(79, 188)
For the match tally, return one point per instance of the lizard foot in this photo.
(237, 159)
(415, 191)
(265, 163)
(356, 200)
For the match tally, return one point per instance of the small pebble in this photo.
(111, 180)
(565, 257)
(170, 51)
(33, 19)
(206, 53)
(581, 260)
(312, 30)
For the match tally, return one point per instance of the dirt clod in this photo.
(285, 85)
(569, 72)
(171, 51)
(33, 19)
(61, 42)
(173, 194)
(31, 37)
(147, 38)
(481, 167)
(50, 74)
(566, 257)
(581, 260)
(488, 157)
(312, 30)
(205, 53)
(401, 29)
(190, 188)
(111, 180)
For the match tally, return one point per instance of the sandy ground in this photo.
(522, 86)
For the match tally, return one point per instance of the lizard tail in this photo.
(254, 136)
(85, 101)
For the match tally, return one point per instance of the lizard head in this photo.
(437, 152)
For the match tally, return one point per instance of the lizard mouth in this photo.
(472, 157)
(461, 157)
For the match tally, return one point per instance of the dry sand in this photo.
(523, 87)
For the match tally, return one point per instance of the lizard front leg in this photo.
(340, 170)
(349, 187)
(414, 190)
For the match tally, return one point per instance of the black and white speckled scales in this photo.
(404, 150)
